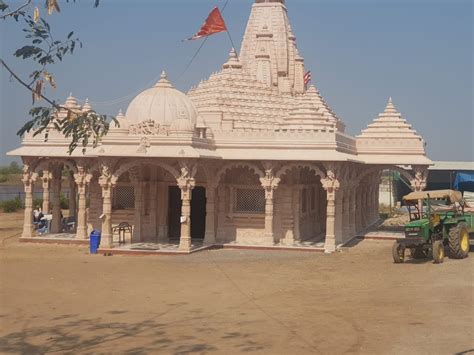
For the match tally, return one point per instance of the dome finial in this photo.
(233, 62)
(390, 108)
(163, 82)
(87, 106)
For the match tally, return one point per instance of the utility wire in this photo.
(136, 92)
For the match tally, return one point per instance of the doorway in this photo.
(198, 212)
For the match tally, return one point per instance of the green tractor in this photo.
(437, 220)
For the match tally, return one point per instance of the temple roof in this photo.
(255, 107)
(392, 138)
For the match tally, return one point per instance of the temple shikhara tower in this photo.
(248, 157)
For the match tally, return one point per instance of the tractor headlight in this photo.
(412, 231)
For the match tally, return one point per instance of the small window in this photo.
(249, 201)
(124, 197)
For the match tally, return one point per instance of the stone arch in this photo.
(251, 166)
(127, 166)
(379, 168)
(312, 167)
(43, 164)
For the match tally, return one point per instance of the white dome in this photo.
(163, 104)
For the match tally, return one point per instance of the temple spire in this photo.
(269, 48)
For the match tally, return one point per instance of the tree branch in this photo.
(11, 13)
(55, 105)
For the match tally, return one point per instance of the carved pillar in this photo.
(346, 223)
(162, 197)
(45, 179)
(352, 212)
(269, 183)
(28, 180)
(56, 222)
(107, 183)
(331, 185)
(72, 195)
(210, 235)
(338, 230)
(186, 183)
(358, 216)
(138, 215)
(418, 183)
(82, 180)
(296, 201)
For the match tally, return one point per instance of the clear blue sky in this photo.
(360, 52)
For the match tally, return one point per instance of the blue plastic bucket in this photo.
(94, 241)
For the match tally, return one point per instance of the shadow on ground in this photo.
(79, 335)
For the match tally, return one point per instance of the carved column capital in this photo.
(186, 181)
(270, 183)
(330, 183)
(29, 176)
(418, 183)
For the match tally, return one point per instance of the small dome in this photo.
(163, 104)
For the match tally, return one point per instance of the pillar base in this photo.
(330, 245)
(287, 241)
(106, 241)
(268, 239)
(81, 234)
(184, 244)
(209, 239)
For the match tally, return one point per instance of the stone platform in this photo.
(171, 248)
(60, 238)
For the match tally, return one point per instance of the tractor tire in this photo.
(459, 241)
(398, 253)
(438, 251)
(418, 253)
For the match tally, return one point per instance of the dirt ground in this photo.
(60, 299)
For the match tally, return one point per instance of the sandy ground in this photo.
(59, 299)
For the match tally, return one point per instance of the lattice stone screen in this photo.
(124, 197)
(249, 200)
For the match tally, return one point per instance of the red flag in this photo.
(213, 24)
(307, 77)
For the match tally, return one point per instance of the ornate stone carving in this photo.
(148, 128)
(418, 183)
(185, 180)
(269, 182)
(144, 144)
(330, 182)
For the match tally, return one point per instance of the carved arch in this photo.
(251, 166)
(127, 166)
(43, 164)
(312, 167)
(379, 168)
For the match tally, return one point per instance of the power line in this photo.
(136, 92)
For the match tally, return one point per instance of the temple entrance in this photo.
(198, 212)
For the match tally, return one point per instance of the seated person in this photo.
(37, 215)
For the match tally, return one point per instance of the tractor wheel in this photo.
(438, 251)
(459, 241)
(398, 253)
(418, 253)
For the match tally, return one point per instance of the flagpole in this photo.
(232, 42)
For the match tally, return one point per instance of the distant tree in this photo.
(15, 168)
(83, 128)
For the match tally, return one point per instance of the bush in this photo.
(11, 205)
(64, 202)
(3, 178)
(37, 202)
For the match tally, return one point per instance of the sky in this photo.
(360, 53)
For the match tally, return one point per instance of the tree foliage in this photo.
(83, 128)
